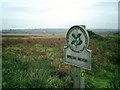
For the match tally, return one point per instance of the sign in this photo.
(82, 74)
(76, 52)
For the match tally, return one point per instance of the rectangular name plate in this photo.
(81, 59)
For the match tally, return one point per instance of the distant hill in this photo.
(54, 31)
(104, 31)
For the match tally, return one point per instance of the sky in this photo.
(24, 14)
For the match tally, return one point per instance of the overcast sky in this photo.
(59, 13)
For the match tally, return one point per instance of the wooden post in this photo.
(78, 81)
(82, 81)
(77, 78)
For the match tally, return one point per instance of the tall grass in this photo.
(39, 63)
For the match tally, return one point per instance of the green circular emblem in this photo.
(77, 38)
(82, 74)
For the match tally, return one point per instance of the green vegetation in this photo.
(39, 63)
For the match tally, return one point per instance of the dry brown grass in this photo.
(25, 40)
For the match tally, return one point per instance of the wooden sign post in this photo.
(77, 54)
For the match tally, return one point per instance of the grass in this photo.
(39, 63)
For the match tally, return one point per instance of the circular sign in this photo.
(77, 38)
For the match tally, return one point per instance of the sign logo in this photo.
(77, 39)
(76, 52)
